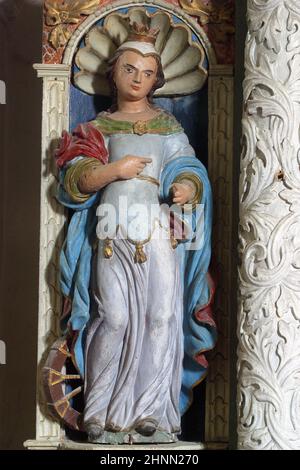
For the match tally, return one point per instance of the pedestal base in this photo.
(72, 445)
(132, 438)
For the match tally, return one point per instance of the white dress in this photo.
(134, 343)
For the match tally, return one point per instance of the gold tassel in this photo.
(174, 242)
(108, 248)
(139, 256)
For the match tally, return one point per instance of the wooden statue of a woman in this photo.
(139, 295)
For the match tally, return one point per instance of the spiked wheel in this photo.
(63, 385)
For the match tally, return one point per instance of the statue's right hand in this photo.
(130, 166)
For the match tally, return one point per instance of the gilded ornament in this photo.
(60, 14)
(198, 8)
(217, 15)
(139, 256)
(59, 36)
(108, 248)
(174, 242)
(140, 127)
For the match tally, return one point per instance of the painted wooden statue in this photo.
(138, 291)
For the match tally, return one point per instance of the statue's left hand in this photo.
(182, 193)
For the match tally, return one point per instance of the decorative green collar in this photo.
(164, 124)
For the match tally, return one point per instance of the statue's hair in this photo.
(160, 78)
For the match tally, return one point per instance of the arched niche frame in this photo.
(56, 118)
(85, 105)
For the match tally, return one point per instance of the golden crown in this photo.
(143, 33)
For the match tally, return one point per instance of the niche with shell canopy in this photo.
(185, 66)
(74, 91)
(184, 61)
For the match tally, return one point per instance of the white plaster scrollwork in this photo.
(220, 163)
(55, 120)
(269, 303)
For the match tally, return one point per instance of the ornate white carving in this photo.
(55, 119)
(220, 169)
(269, 304)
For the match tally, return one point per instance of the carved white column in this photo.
(269, 296)
(55, 119)
(220, 169)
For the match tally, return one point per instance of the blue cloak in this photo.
(75, 264)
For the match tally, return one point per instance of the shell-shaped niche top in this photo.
(182, 58)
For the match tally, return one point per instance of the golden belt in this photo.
(148, 178)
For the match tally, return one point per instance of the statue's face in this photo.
(135, 75)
